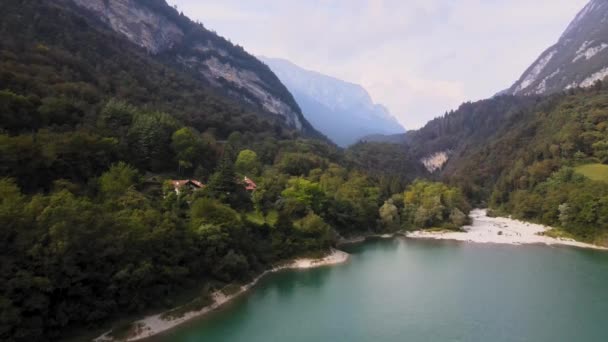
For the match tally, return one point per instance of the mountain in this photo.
(342, 111)
(537, 158)
(177, 41)
(540, 157)
(61, 71)
(579, 59)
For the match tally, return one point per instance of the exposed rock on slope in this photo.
(435, 161)
(176, 40)
(579, 59)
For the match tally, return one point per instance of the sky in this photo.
(419, 58)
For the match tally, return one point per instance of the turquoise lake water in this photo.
(416, 290)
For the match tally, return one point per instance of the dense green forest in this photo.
(90, 227)
(541, 183)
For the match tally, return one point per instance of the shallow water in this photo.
(417, 290)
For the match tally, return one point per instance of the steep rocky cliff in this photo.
(176, 40)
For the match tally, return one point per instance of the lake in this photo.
(419, 290)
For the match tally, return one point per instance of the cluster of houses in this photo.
(192, 184)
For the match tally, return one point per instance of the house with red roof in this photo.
(191, 184)
(249, 184)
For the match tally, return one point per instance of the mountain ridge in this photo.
(344, 111)
(178, 41)
(578, 59)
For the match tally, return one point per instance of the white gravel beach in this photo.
(500, 230)
(156, 324)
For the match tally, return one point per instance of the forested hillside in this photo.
(180, 43)
(520, 156)
(94, 134)
(540, 157)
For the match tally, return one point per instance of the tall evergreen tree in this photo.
(225, 185)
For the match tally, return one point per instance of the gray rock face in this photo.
(161, 30)
(138, 23)
(342, 111)
(579, 59)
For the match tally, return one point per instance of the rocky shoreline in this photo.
(155, 324)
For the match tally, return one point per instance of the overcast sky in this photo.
(420, 58)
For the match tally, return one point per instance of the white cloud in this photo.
(418, 57)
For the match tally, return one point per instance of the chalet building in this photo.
(191, 184)
(249, 184)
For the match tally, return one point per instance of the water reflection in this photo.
(288, 281)
(373, 244)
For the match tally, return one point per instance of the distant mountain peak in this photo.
(579, 59)
(343, 111)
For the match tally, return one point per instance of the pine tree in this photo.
(224, 182)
